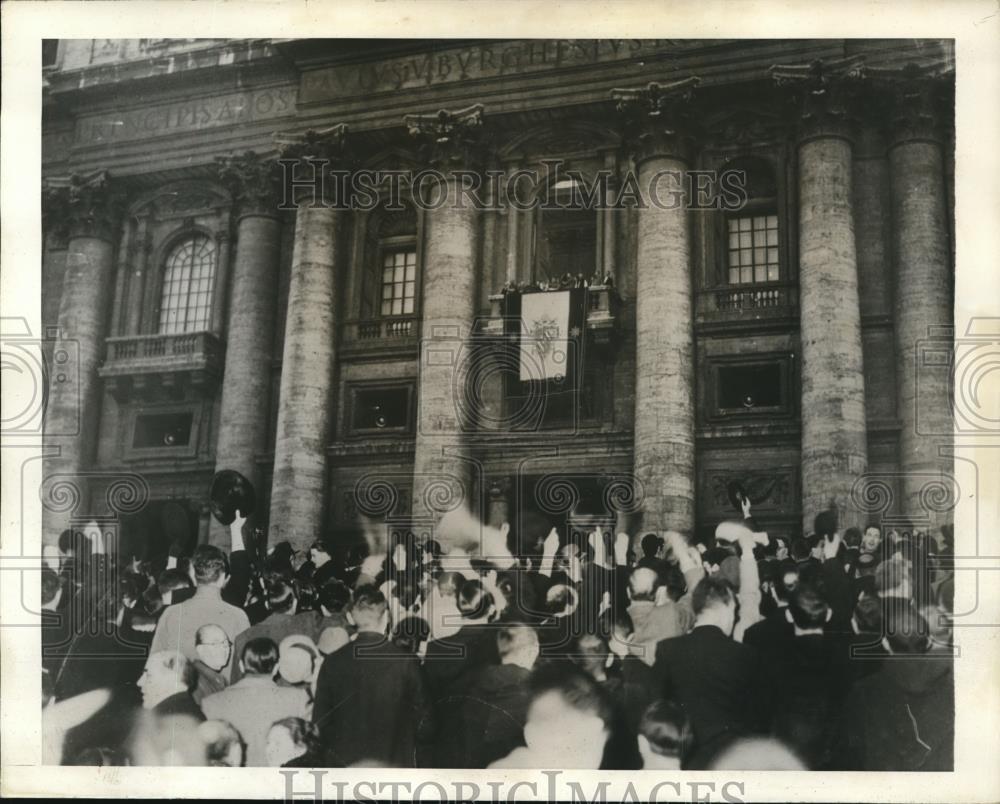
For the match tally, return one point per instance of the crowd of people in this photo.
(589, 650)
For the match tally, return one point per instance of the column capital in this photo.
(450, 139)
(88, 205)
(254, 181)
(916, 102)
(311, 157)
(658, 118)
(825, 92)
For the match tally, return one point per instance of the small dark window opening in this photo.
(381, 409)
(162, 430)
(750, 388)
(50, 50)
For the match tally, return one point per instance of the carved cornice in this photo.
(916, 102)
(658, 118)
(825, 93)
(82, 206)
(253, 180)
(449, 139)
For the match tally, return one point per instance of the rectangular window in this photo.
(750, 386)
(399, 282)
(162, 431)
(387, 409)
(753, 249)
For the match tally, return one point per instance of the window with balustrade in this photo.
(390, 284)
(752, 237)
(188, 286)
(399, 281)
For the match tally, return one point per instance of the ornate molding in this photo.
(253, 180)
(449, 139)
(658, 118)
(825, 93)
(915, 101)
(322, 151)
(82, 205)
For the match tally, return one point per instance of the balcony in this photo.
(603, 305)
(153, 365)
(752, 306)
(378, 335)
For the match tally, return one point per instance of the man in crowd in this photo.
(214, 648)
(568, 722)
(486, 721)
(180, 622)
(717, 680)
(370, 700)
(281, 622)
(902, 717)
(255, 701)
(166, 685)
(665, 736)
(654, 615)
(809, 674)
(474, 645)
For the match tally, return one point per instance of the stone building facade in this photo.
(354, 360)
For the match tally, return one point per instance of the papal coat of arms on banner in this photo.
(545, 334)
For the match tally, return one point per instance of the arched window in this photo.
(188, 283)
(567, 232)
(391, 283)
(752, 232)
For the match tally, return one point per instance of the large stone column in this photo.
(444, 408)
(246, 382)
(305, 409)
(924, 292)
(90, 208)
(834, 431)
(664, 374)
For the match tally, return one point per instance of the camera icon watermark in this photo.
(32, 369)
(969, 369)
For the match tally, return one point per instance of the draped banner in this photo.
(550, 326)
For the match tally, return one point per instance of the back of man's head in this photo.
(334, 596)
(800, 549)
(852, 537)
(714, 556)
(711, 592)
(280, 596)
(667, 729)
(808, 607)
(575, 691)
(474, 602)
(651, 544)
(825, 523)
(368, 608)
(786, 579)
(260, 657)
(561, 600)
(642, 584)
(516, 642)
(868, 614)
(591, 653)
(172, 580)
(210, 564)
(906, 631)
